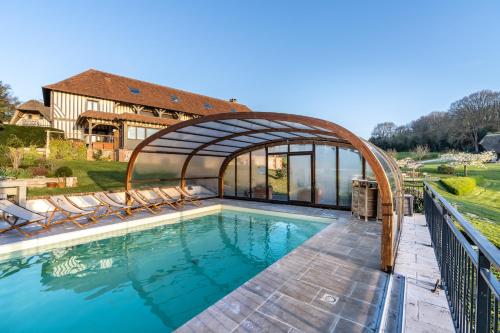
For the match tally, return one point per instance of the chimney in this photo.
(233, 100)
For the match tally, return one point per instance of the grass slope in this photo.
(481, 206)
(92, 176)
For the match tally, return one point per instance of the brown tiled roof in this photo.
(127, 117)
(37, 106)
(103, 85)
(491, 141)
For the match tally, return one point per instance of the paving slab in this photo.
(425, 310)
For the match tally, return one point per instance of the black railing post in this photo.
(482, 300)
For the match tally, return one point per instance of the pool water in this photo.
(150, 281)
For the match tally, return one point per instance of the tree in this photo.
(468, 159)
(8, 102)
(384, 130)
(420, 151)
(477, 113)
(382, 134)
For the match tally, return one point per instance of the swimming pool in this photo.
(152, 280)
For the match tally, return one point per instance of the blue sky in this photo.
(355, 63)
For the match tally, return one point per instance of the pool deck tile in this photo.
(426, 311)
(318, 287)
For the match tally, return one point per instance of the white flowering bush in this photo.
(409, 164)
(460, 159)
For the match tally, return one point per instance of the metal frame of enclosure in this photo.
(208, 152)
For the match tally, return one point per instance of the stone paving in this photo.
(332, 283)
(425, 311)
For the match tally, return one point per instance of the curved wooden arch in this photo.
(386, 195)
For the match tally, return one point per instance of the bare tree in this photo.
(475, 112)
(384, 130)
(420, 151)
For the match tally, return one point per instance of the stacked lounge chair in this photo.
(60, 209)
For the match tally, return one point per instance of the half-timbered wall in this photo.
(66, 108)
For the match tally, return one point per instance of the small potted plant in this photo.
(61, 174)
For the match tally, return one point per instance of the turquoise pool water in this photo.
(149, 281)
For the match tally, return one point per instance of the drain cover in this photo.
(327, 298)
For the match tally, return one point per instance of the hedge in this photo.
(459, 185)
(29, 135)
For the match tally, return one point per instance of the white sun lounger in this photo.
(20, 217)
(70, 211)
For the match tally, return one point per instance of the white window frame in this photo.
(92, 105)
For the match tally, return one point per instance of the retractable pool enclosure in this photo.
(272, 157)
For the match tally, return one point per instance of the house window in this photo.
(150, 131)
(30, 116)
(208, 106)
(92, 105)
(141, 133)
(174, 98)
(134, 91)
(131, 132)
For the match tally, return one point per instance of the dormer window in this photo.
(92, 105)
(134, 91)
(233, 110)
(208, 106)
(174, 99)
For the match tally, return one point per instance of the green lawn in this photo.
(481, 206)
(404, 154)
(92, 176)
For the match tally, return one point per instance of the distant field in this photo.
(482, 206)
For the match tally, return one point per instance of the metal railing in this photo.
(98, 138)
(468, 263)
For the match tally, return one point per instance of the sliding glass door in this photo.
(277, 177)
(300, 178)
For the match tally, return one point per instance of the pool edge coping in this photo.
(75, 237)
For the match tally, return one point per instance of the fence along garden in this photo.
(469, 266)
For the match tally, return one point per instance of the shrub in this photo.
(29, 135)
(67, 150)
(15, 151)
(39, 171)
(19, 173)
(446, 169)
(31, 157)
(459, 185)
(97, 154)
(63, 171)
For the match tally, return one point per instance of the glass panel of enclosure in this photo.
(326, 175)
(243, 175)
(229, 179)
(157, 166)
(289, 174)
(204, 166)
(301, 147)
(258, 171)
(300, 178)
(350, 167)
(277, 149)
(203, 188)
(277, 177)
